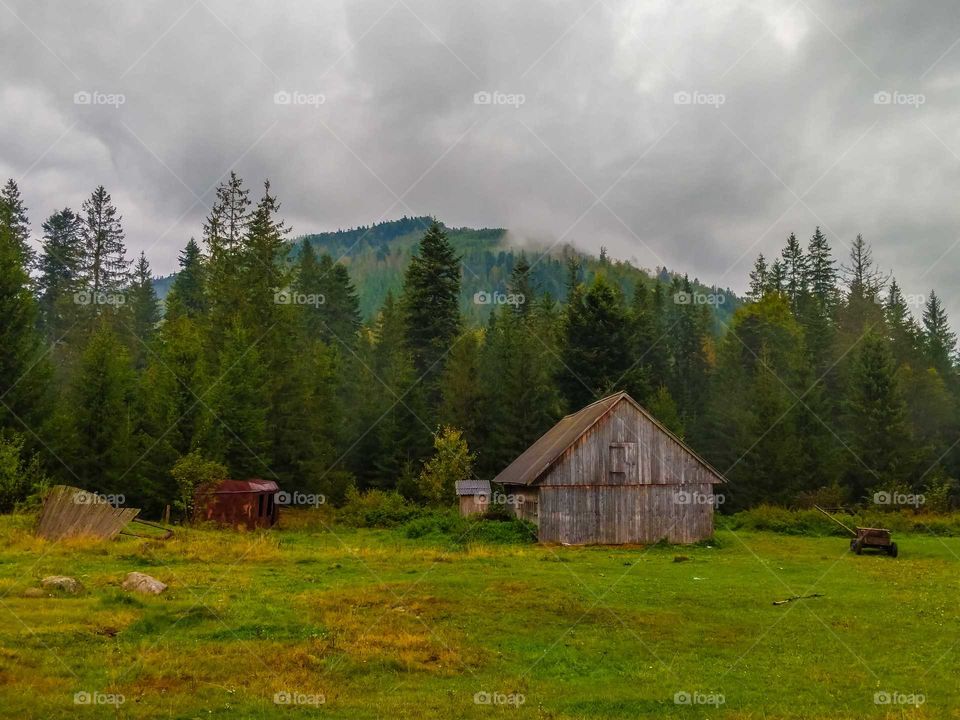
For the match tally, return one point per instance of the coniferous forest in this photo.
(827, 383)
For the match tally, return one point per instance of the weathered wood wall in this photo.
(616, 515)
(69, 512)
(656, 458)
(471, 505)
(626, 481)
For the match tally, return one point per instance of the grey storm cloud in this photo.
(691, 135)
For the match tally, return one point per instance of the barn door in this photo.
(622, 463)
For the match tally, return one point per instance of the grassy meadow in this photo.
(314, 621)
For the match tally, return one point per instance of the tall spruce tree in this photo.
(796, 273)
(759, 279)
(100, 414)
(105, 268)
(60, 266)
(187, 296)
(940, 342)
(595, 349)
(881, 453)
(144, 308)
(902, 330)
(236, 422)
(431, 307)
(23, 369)
(13, 214)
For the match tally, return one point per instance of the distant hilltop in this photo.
(377, 256)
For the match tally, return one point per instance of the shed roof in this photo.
(473, 487)
(540, 457)
(254, 485)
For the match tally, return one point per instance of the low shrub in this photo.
(376, 509)
(449, 526)
(814, 523)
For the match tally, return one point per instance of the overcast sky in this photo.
(687, 134)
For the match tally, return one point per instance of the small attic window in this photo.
(622, 462)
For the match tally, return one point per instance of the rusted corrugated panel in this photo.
(70, 512)
(246, 486)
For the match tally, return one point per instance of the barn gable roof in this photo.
(533, 462)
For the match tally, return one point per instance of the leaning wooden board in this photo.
(71, 512)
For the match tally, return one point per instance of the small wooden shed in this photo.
(473, 495)
(612, 474)
(239, 502)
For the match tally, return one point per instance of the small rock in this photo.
(33, 593)
(143, 583)
(61, 583)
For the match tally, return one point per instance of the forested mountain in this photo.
(826, 384)
(377, 257)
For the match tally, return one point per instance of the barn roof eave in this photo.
(531, 465)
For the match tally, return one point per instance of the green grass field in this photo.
(380, 626)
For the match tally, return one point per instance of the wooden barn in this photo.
(612, 474)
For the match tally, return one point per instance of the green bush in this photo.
(21, 477)
(814, 523)
(376, 508)
(449, 526)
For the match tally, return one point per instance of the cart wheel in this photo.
(858, 547)
(892, 551)
(853, 546)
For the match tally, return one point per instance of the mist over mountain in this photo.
(377, 255)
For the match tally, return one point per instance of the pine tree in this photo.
(144, 309)
(649, 346)
(821, 272)
(337, 317)
(104, 268)
(177, 377)
(776, 277)
(13, 214)
(517, 369)
(759, 279)
(862, 311)
(664, 409)
(902, 329)
(940, 342)
(521, 285)
(236, 422)
(818, 312)
(431, 306)
(402, 436)
(863, 279)
(223, 233)
(688, 336)
(595, 350)
(100, 413)
(262, 271)
(60, 268)
(767, 469)
(879, 439)
(187, 294)
(796, 273)
(23, 371)
(461, 390)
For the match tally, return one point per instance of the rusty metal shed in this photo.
(612, 474)
(239, 502)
